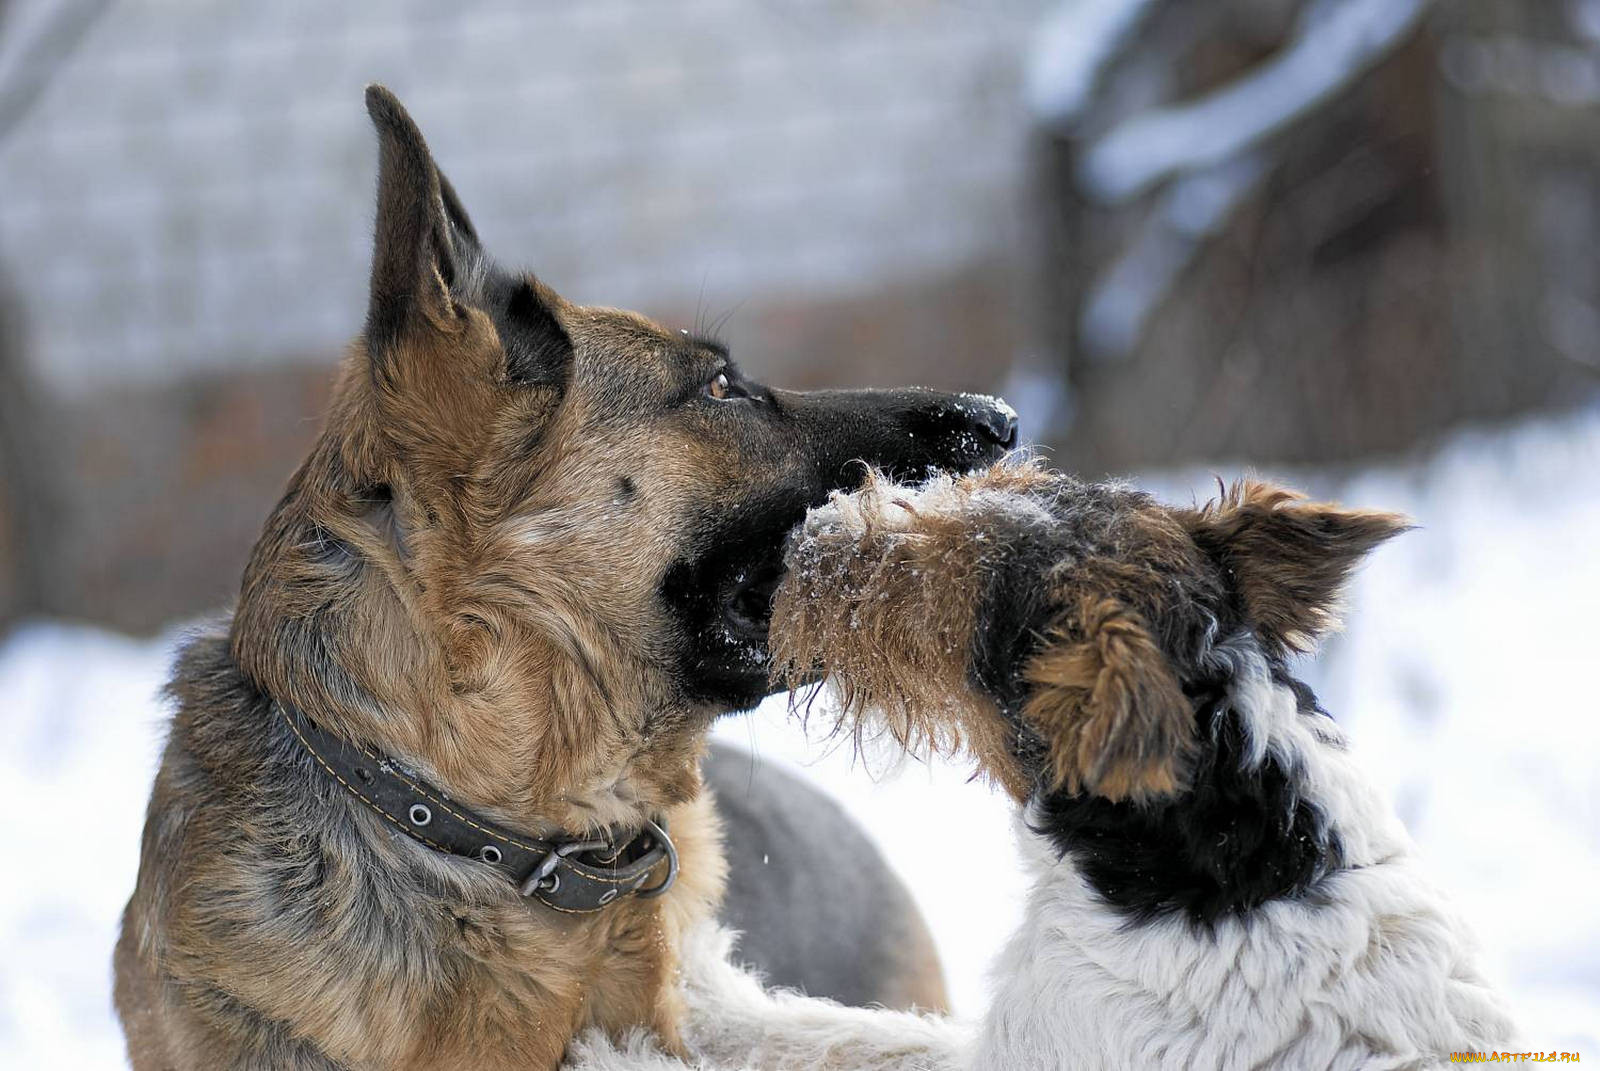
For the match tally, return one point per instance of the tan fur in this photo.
(479, 570)
(498, 622)
(883, 599)
(526, 981)
(505, 668)
(888, 587)
(883, 553)
(1290, 555)
(1118, 722)
(455, 622)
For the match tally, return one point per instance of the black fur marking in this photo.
(1016, 615)
(375, 503)
(329, 550)
(409, 227)
(809, 444)
(707, 341)
(1013, 614)
(1236, 840)
(721, 598)
(538, 349)
(1009, 630)
(463, 233)
(909, 434)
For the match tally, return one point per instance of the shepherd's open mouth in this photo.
(747, 606)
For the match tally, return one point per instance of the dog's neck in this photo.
(1275, 806)
(1340, 957)
(1370, 968)
(530, 783)
(512, 719)
(416, 735)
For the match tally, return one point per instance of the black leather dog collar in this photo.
(576, 875)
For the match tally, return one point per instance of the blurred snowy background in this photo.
(1350, 243)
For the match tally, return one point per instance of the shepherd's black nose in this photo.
(996, 422)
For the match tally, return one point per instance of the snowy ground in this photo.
(1463, 678)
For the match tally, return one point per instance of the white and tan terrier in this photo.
(1215, 883)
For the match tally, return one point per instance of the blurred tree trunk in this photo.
(1412, 252)
(1520, 130)
(20, 494)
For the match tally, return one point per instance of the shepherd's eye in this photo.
(719, 388)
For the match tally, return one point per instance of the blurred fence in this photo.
(187, 206)
(1259, 230)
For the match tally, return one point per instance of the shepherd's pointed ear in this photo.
(1287, 558)
(463, 235)
(461, 246)
(422, 233)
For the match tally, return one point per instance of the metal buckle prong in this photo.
(545, 871)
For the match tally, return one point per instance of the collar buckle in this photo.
(543, 878)
(557, 875)
(661, 838)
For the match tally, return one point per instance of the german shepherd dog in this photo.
(527, 563)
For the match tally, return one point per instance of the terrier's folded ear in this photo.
(1107, 705)
(1287, 558)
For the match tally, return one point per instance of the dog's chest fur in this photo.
(1363, 965)
(288, 923)
(1334, 984)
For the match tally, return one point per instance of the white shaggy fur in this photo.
(1371, 969)
(1379, 976)
(732, 1022)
